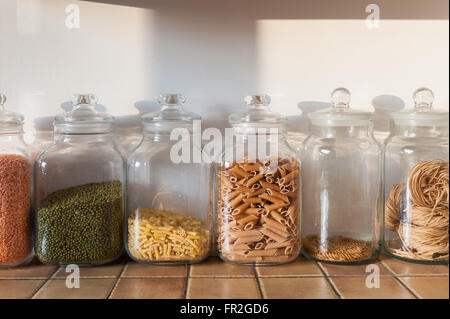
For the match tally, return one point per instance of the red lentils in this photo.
(15, 232)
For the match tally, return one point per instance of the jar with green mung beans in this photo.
(79, 183)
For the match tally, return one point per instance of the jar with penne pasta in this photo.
(416, 206)
(342, 185)
(258, 192)
(169, 195)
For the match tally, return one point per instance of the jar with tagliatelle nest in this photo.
(341, 185)
(416, 210)
(258, 195)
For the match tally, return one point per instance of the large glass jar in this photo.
(169, 202)
(79, 186)
(341, 185)
(258, 191)
(416, 222)
(15, 189)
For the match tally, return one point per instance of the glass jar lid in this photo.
(9, 121)
(257, 114)
(423, 113)
(171, 115)
(340, 113)
(83, 118)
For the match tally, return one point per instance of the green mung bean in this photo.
(81, 224)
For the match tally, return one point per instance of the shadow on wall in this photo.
(127, 129)
(207, 50)
(384, 105)
(306, 9)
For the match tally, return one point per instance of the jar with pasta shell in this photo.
(416, 173)
(258, 189)
(169, 206)
(341, 185)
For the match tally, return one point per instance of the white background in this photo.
(216, 52)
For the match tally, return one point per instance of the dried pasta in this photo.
(418, 212)
(338, 248)
(158, 235)
(259, 211)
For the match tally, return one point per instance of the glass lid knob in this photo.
(340, 98)
(423, 99)
(258, 99)
(171, 99)
(84, 99)
(2, 100)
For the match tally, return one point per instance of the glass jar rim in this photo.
(423, 112)
(340, 113)
(9, 121)
(83, 118)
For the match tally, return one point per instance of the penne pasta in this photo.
(251, 167)
(250, 225)
(238, 171)
(258, 211)
(271, 199)
(247, 219)
(256, 192)
(272, 235)
(278, 195)
(254, 179)
(250, 239)
(235, 202)
(279, 218)
(279, 244)
(254, 211)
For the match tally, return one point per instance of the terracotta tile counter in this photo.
(213, 278)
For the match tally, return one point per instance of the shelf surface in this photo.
(213, 278)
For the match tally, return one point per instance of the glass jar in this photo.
(416, 222)
(15, 189)
(258, 192)
(79, 183)
(169, 203)
(342, 185)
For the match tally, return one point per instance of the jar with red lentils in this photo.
(15, 188)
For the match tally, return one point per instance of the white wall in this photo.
(216, 52)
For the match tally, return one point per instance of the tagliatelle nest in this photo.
(428, 184)
(422, 223)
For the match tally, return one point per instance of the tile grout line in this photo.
(125, 265)
(329, 280)
(398, 280)
(415, 294)
(258, 282)
(44, 283)
(188, 279)
(240, 277)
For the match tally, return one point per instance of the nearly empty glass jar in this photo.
(169, 217)
(258, 189)
(416, 222)
(15, 189)
(341, 185)
(79, 184)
